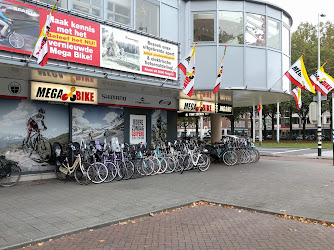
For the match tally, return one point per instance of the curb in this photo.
(296, 156)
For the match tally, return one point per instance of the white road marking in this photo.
(289, 151)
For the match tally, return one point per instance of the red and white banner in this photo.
(74, 39)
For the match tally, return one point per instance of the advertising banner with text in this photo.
(124, 50)
(78, 40)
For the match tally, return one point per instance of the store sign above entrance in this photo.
(196, 106)
(62, 93)
(225, 109)
(74, 39)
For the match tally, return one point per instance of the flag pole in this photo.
(51, 12)
(174, 69)
(284, 74)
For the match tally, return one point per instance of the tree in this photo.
(237, 114)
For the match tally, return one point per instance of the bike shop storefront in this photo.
(79, 110)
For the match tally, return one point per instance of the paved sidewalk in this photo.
(33, 211)
(201, 227)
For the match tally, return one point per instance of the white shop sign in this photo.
(196, 106)
(62, 93)
(109, 97)
(13, 88)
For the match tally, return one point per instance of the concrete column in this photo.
(216, 127)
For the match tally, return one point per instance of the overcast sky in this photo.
(306, 10)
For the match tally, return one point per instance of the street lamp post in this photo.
(319, 93)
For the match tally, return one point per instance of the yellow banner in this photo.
(148, 53)
(72, 39)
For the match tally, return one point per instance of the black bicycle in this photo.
(16, 40)
(10, 172)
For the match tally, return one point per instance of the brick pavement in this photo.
(201, 227)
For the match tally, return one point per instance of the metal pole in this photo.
(277, 126)
(201, 128)
(319, 94)
(253, 124)
(333, 124)
(260, 127)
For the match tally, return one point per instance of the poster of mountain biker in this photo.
(159, 126)
(32, 123)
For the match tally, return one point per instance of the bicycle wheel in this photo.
(156, 166)
(112, 171)
(84, 174)
(163, 167)
(185, 164)
(25, 147)
(203, 162)
(100, 172)
(147, 166)
(129, 170)
(16, 40)
(171, 164)
(12, 177)
(230, 158)
(44, 149)
(120, 170)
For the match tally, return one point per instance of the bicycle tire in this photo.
(12, 178)
(120, 170)
(203, 162)
(60, 175)
(147, 166)
(156, 166)
(171, 164)
(186, 163)
(25, 147)
(44, 149)
(100, 172)
(230, 158)
(129, 170)
(164, 165)
(84, 178)
(112, 171)
(16, 40)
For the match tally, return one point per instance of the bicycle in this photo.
(10, 172)
(14, 39)
(196, 158)
(37, 143)
(82, 171)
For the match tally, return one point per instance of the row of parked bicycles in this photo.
(98, 163)
(234, 150)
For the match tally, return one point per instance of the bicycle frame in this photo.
(74, 165)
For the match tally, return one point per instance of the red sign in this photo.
(73, 39)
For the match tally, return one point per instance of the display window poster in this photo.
(127, 51)
(137, 129)
(71, 39)
(97, 123)
(21, 120)
(159, 127)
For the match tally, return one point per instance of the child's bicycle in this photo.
(10, 172)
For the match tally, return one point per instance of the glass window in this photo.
(274, 34)
(61, 4)
(148, 16)
(286, 66)
(119, 11)
(231, 27)
(256, 30)
(204, 25)
(92, 7)
(286, 20)
(286, 41)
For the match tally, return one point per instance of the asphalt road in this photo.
(304, 152)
